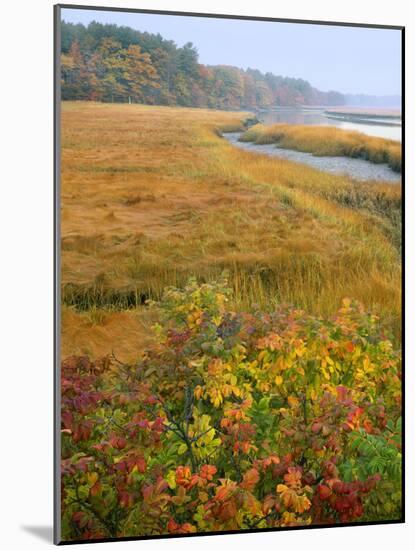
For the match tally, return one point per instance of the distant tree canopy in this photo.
(118, 64)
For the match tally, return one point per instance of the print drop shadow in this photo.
(43, 532)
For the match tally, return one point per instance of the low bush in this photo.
(233, 421)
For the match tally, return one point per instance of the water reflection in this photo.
(317, 117)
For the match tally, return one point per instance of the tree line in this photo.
(105, 62)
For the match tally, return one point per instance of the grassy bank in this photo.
(328, 141)
(152, 195)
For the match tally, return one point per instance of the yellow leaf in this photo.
(171, 479)
(182, 449)
(262, 354)
(292, 401)
(92, 478)
(302, 504)
(325, 374)
(236, 391)
(278, 380)
(356, 353)
(366, 364)
(300, 351)
(198, 392)
(217, 401)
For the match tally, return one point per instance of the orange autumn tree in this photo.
(111, 73)
(138, 73)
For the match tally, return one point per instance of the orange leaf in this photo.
(250, 479)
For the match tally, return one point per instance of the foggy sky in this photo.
(346, 59)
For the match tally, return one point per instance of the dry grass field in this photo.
(153, 195)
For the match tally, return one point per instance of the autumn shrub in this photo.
(233, 421)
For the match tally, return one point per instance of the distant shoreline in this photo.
(366, 112)
(365, 119)
(369, 112)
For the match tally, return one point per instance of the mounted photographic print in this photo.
(228, 246)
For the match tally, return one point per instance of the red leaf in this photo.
(324, 492)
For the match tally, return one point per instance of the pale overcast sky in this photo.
(346, 59)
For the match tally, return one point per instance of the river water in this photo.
(356, 168)
(385, 128)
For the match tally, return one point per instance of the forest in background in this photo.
(119, 64)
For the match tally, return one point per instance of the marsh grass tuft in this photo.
(328, 141)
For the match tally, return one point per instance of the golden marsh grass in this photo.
(328, 141)
(153, 195)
